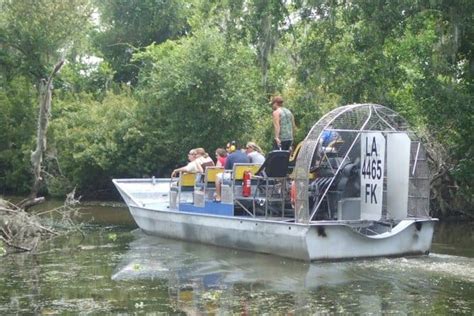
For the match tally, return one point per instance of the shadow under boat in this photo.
(153, 258)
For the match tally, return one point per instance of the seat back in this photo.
(211, 174)
(276, 164)
(187, 179)
(208, 164)
(240, 168)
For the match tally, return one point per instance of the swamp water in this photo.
(116, 269)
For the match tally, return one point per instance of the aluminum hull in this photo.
(318, 240)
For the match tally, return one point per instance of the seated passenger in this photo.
(235, 156)
(203, 159)
(221, 156)
(191, 167)
(255, 153)
(329, 136)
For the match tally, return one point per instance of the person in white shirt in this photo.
(198, 161)
(190, 167)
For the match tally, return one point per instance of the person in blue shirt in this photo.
(235, 156)
(329, 138)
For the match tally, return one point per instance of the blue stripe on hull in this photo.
(209, 208)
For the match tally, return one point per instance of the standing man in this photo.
(284, 125)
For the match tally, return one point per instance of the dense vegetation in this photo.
(145, 80)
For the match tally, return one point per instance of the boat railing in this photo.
(232, 189)
(271, 190)
(183, 183)
(204, 187)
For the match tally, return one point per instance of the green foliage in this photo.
(17, 126)
(93, 139)
(35, 34)
(112, 237)
(400, 54)
(198, 92)
(202, 73)
(130, 25)
(85, 76)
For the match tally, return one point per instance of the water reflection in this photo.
(203, 279)
(112, 271)
(152, 258)
(454, 238)
(107, 214)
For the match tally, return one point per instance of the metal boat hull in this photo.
(322, 240)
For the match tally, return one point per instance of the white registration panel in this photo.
(371, 175)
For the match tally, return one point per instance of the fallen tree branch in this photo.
(10, 244)
(29, 202)
(2, 209)
(7, 234)
(21, 230)
(52, 232)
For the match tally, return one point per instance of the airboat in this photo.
(356, 187)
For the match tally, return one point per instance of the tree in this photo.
(36, 34)
(41, 139)
(17, 125)
(33, 40)
(96, 140)
(415, 57)
(128, 26)
(198, 92)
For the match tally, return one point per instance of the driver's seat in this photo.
(272, 178)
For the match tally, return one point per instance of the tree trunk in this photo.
(45, 93)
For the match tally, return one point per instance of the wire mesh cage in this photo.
(328, 166)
